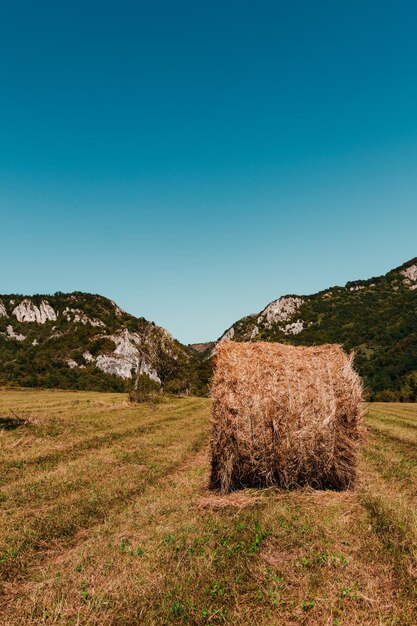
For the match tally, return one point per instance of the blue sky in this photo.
(196, 160)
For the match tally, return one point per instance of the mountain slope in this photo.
(377, 318)
(84, 341)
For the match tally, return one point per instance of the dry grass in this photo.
(105, 519)
(285, 416)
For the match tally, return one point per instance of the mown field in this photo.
(105, 519)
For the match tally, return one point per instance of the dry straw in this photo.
(285, 416)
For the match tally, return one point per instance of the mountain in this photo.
(202, 350)
(85, 341)
(377, 318)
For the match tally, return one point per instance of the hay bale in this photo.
(285, 416)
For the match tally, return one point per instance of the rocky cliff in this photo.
(84, 341)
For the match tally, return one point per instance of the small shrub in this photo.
(147, 390)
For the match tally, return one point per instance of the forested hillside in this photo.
(377, 318)
(85, 341)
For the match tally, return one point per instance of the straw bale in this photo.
(284, 416)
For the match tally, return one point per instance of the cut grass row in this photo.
(76, 488)
(143, 542)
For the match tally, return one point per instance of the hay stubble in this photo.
(173, 552)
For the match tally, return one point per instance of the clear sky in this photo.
(196, 160)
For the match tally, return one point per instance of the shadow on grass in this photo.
(11, 423)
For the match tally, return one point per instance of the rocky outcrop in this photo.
(10, 332)
(124, 360)
(3, 312)
(27, 311)
(79, 317)
(229, 334)
(410, 276)
(294, 328)
(111, 364)
(280, 310)
(118, 311)
(149, 371)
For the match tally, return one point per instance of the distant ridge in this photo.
(85, 341)
(376, 317)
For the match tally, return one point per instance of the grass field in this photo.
(105, 519)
